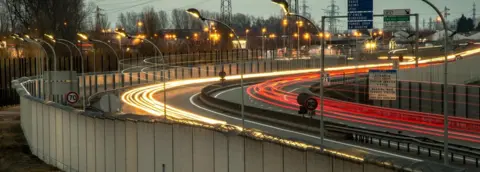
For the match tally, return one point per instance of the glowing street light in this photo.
(195, 13)
(284, 5)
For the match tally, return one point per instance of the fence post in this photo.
(454, 100)
(409, 95)
(467, 104)
(420, 109)
(400, 95)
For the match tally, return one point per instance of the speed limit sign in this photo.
(72, 97)
(311, 104)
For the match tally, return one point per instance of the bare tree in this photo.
(63, 18)
(150, 21)
(182, 20)
(163, 20)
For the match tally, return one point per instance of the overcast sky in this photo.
(265, 8)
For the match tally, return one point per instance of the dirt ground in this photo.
(15, 155)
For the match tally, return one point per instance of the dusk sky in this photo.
(265, 8)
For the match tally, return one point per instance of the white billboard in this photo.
(382, 84)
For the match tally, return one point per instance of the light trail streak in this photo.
(143, 97)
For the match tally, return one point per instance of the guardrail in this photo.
(74, 140)
(358, 134)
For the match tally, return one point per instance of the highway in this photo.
(183, 104)
(280, 94)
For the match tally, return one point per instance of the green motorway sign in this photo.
(396, 18)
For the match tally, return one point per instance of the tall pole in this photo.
(54, 64)
(322, 73)
(357, 61)
(83, 70)
(445, 84)
(298, 39)
(163, 76)
(417, 35)
(71, 61)
(111, 48)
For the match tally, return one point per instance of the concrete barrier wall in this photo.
(74, 141)
(459, 72)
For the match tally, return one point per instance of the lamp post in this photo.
(83, 68)
(195, 13)
(54, 63)
(284, 5)
(85, 37)
(41, 61)
(264, 30)
(124, 34)
(445, 83)
(357, 34)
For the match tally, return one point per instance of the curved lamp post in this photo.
(124, 34)
(195, 13)
(52, 86)
(445, 83)
(284, 5)
(85, 37)
(41, 61)
(83, 67)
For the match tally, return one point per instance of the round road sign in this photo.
(311, 104)
(222, 74)
(302, 97)
(72, 97)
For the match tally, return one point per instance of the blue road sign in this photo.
(360, 25)
(360, 14)
(360, 5)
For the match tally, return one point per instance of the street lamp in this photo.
(83, 68)
(284, 5)
(264, 30)
(122, 33)
(195, 13)
(40, 63)
(85, 37)
(445, 82)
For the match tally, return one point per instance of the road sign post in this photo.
(395, 19)
(360, 14)
(72, 97)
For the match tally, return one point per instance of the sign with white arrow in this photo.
(396, 19)
(396, 12)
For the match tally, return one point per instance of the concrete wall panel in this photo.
(220, 146)
(74, 141)
(294, 160)
(59, 137)
(182, 148)
(82, 143)
(99, 144)
(253, 156)
(120, 146)
(45, 136)
(110, 145)
(273, 157)
(90, 138)
(235, 153)
(318, 163)
(203, 157)
(51, 136)
(66, 136)
(36, 113)
(337, 164)
(131, 146)
(163, 147)
(146, 147)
